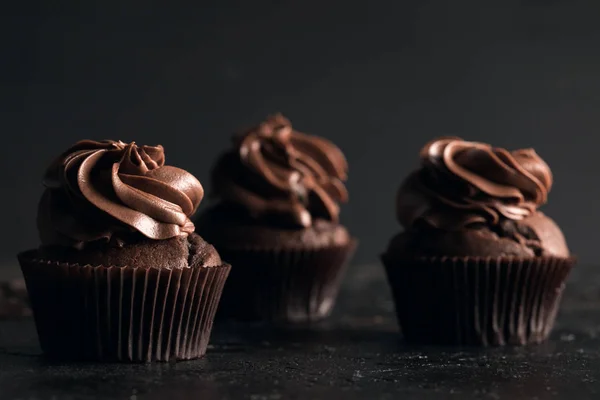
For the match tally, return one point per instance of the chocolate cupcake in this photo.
(276, 221)
(120, 274)
(477, 263)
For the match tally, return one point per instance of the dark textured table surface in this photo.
(356, 354)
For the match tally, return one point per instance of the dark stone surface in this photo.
(356, 354)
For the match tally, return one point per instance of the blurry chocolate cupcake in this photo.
(477, 262)
(120, 274)
(276, 221)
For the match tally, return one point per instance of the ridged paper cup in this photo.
(122, 313)
(482, 301)
(283, 285)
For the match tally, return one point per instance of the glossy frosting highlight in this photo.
(461, 183)
(275, 172)
(98, 191)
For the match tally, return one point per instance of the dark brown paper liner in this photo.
(122, 313)
(477, 301)
(284, 286)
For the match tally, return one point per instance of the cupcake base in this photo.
(283, 286)
(475, 300)
(122, 313)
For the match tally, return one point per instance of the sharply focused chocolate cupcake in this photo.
(477, 262)
(120, 274)
(276, 221)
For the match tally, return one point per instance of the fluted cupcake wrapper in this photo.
(122, 313)
(477, 301)
(283, 285)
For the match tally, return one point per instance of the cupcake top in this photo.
(278, 175)
(113, 191)
(472, 199)
(463, 183)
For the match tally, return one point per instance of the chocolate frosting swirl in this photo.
(277, 173)
(98, 191)
(461, 183)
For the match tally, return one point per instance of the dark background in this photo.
(379, 78)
